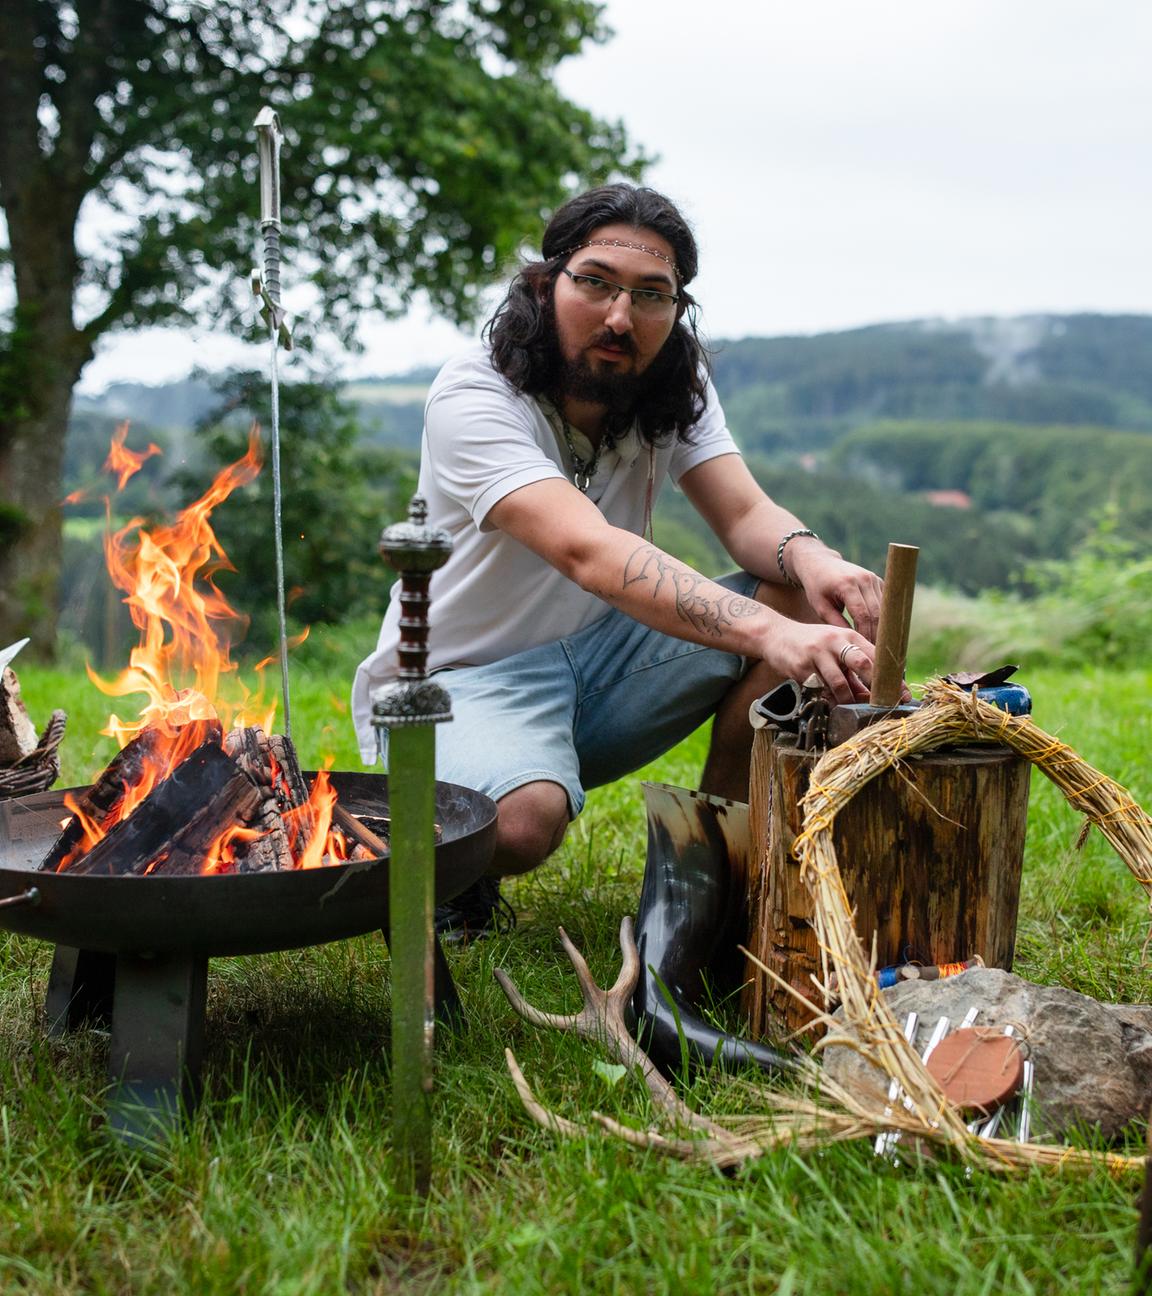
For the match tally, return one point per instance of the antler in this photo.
(602, 1019)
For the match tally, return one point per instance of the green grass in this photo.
(282, 1181)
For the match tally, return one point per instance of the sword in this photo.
(410, 709)
(267, 288)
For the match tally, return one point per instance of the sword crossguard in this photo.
(272, 311)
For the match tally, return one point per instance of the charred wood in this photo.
(235, 804)
(101, 803)
(183, 815)
(359, 833)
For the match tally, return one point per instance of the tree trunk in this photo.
(43, 354)
(40, 361)
(32, 436)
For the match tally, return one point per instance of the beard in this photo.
(600, 383)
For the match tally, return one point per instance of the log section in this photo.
(930, 856)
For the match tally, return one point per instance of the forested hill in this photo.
(804, 393)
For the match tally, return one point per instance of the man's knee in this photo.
(531, 823)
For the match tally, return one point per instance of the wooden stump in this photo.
(930, 856)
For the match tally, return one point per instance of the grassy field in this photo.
(281, 1183)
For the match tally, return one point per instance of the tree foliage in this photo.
(338, 494)
(425, 142)
(1056, 478)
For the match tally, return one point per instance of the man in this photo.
(578, 649)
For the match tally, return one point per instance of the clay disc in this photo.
(978, 1069)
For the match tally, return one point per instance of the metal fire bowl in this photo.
(227, 913)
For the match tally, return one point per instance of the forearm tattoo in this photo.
(694, 602)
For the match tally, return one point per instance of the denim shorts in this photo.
(581, 711)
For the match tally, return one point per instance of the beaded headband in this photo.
(621, 243)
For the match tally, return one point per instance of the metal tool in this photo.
(881, 1146)
(266, 286)
(1024, 1127)
(8, 654)
(799, 709)
(410, 709)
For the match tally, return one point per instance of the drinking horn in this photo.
(693, 915)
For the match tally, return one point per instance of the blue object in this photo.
(1013, 698)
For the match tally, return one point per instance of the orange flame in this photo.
(180, 664)
(185, 623)
(123, 462)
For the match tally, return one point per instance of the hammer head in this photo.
(847, 720)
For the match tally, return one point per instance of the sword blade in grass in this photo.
(409, 710)
(411, 901)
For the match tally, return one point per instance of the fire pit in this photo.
(133, 951)
(202, 837)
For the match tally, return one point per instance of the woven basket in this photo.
(37, 771)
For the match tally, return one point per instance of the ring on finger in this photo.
(843, 654)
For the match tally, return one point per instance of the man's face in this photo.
(607, 345)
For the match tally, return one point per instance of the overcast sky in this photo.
(846, 163)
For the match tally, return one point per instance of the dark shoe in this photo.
(479, 911)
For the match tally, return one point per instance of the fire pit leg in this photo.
(446, 1005)
(79, 990)
(157, 1043)
(449, 1010)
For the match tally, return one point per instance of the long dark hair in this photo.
(522, 332)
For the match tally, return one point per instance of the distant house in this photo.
(949, 498)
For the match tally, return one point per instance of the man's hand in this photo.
(834, 587)
(842, 658)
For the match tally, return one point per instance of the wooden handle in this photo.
(895, 620)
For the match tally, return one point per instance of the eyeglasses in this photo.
(600, 292)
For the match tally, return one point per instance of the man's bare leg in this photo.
(725, 771)
(530, 824)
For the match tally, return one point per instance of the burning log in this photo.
(101, 805)
(368, 844)
(251, 750)
(239, 803)
(205, 794)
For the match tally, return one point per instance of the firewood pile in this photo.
(27, 763)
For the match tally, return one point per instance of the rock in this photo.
(1093, 1060)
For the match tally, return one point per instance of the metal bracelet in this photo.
(791, 535)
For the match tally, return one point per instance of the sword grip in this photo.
(271, 231)
(415, 550)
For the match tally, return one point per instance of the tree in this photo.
(425, 145)
(338, 495)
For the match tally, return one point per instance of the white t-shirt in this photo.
(495, 597)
